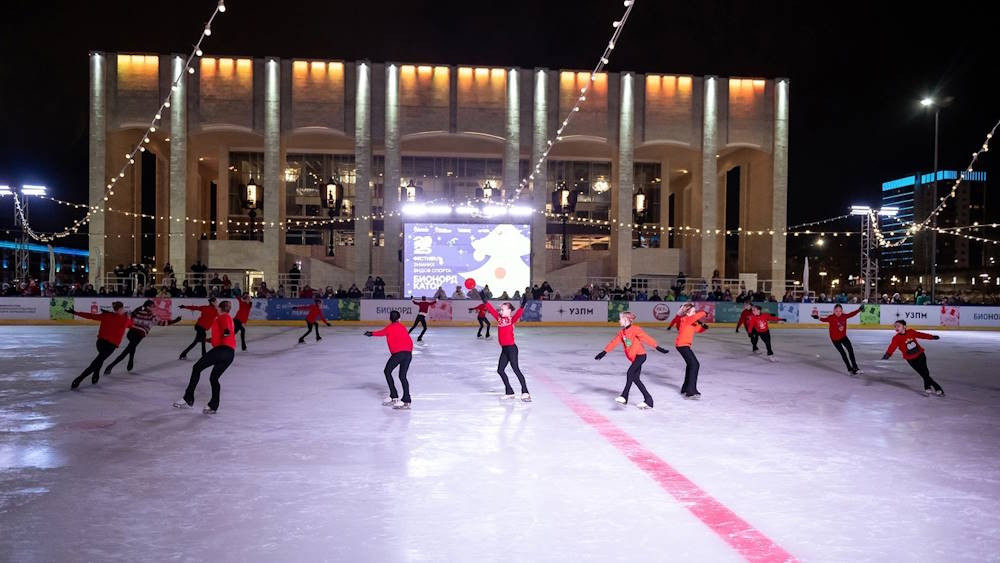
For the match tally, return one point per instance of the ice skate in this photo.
(182, 405)
(208, 410)
(401, 406)
(771, 359)
(643, 406)
(859, 371)
(526, 397)
(939, 393)
(928, 391)
(621, 400)
(508, 397)
(389, 402)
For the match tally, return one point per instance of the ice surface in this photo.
(303, 463)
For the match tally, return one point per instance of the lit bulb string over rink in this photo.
(139, 146)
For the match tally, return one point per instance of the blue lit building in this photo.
(913, 195)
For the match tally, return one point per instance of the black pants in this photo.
(422, 322)
(632, 376)
(242, 330)
(401, 359)
(483, 321)
(104, 351)
(219, 358)
(199, 336)
(919, 364)
(840, 345)
(508, 355)
(134, 338)
(690, 386)
(766, 338)
(753, 338)
(311, 327)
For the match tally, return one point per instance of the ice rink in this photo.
(782, 461)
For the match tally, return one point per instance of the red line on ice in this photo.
(738, 533)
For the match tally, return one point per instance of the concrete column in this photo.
(273, 173)
(779, 209)
(97, 175)
(178, 168)
(393, 224)
(621, 234)
(363, 165)
(222, 196)
(709, 247)
(538, 184)
(512, 134)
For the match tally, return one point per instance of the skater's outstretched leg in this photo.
(104, 350)
(850, 352)
(634, 371)
(196, 370)
(389, 366)
(502, 370)
(919, 364)
(512, 356)
(840, 345)
(199, 336)
(416, 321)
(303, 337)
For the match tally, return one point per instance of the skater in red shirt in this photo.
(201, 327)
(632, 337)
(838, 335)
(746, 318)
(400, 354)
(109, 337)
(481, 317)
(242, 318)
(423, 306)
(143, 319)
(760, 326)
(506, 318)
(905, 340)
(689, 323)
(315, 313)
(219, 358)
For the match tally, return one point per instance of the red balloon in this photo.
(470, 283)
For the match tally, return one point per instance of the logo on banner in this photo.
(913, 315)
(385, 310)
(661, 312)
(986, 316)
(576, 311)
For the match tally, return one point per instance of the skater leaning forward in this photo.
(632, 337)
(905, 340)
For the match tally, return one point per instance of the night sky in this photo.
(857, 69)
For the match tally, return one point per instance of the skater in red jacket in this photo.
(760, 326)
(506, 318)
(689, 324)
(201, 327)
(746, 318)
(400, 354)
(423, 307)
(483, 321)
(315, 313)
(109, 337)
(632, 337)
(218, 358)
(838, 334)
(905, 340)
(242, 318)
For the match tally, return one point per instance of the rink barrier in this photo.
(44, 310)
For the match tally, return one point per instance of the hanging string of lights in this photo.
(819, 222)
(139, 146)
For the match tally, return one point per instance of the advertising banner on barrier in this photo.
(164, 309)
(649, 311)
(789, 312)
(980, 316)
(298, 309)
(572, 311)
(933, 315)
(24, 308)
(378, 310)
(460, 309)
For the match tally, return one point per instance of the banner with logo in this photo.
(651, 311)
(933, 315)
(573, 311)
(807, 310)
(378, 309)
(298, 309)
(789, 312)
(980, 316)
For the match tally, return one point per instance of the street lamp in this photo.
(332, 199)
(252, 201)
(564, 200)
(937, 104)
(639, 214)
(21, 255)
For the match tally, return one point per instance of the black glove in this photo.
(936, 337)
(672, 326)
(662, 350)
(703, 325)
(600, 355)
(885, 357)
(177, 320)
(71, 311)
(815, 316)
(327, 324)
(368, 333)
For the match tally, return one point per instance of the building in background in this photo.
(704, 151)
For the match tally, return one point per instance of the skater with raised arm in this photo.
(315, 314)
(423, 306)
(760, 320)
(218, 358)
(143, 319)
(688, 324)
(400, 354)
(838, 335)
(206, 318)
(506, 318)
(483, 321)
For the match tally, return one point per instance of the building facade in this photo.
(288, 126)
